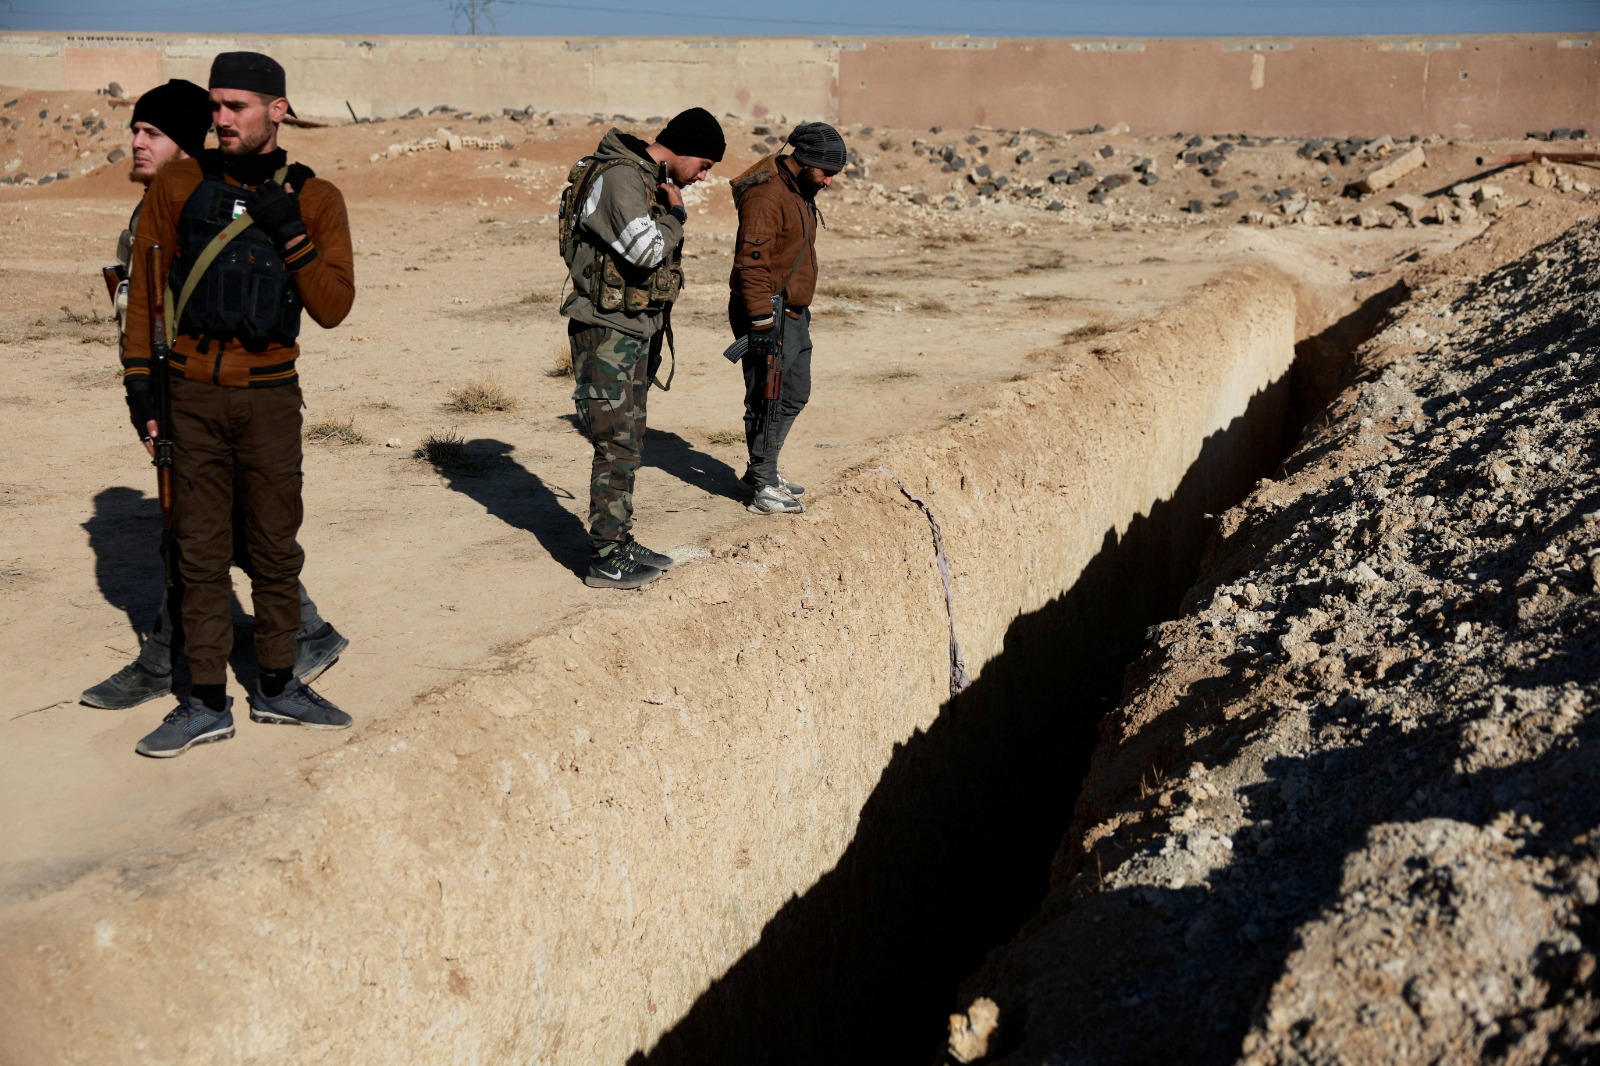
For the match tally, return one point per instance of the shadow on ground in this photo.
(953, 849)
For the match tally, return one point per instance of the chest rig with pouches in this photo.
(233, 283)
(614, 284)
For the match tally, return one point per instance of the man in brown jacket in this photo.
(234, 388)
(169, 123)
(775, 253)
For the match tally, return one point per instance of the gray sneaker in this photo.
(295, 705)
(313, 654)
(189, 723)
(772, 500)
(793, 488)
(128, 687)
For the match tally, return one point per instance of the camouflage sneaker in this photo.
(189, 723)
(617, 569)
(295, 705)
(313, 654)
(640, 554)
(128, 687)
(771, 500)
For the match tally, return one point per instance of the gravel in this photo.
(1349, 808)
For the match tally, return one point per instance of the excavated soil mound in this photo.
(1349, 809)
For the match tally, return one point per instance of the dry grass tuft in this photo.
(724, 438)
(1086, 332)
(340, 431)
(847, 291)
(538, 298)
(482, 397)
(898, 374)
(447, 452)
(931, 305)
(560, 361)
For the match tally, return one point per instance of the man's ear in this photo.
(278, 109)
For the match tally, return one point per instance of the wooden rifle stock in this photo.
(161, 393)
(772, 385)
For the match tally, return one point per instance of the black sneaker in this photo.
(128, 687)
(189, 723)
(295, 705)
(313, 654)
(640, 554)
(619, 570)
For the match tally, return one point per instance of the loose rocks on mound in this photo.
(1349, 810)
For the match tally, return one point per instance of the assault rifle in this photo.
(772, 383)
(162, 395)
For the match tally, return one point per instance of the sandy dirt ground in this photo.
(935, 287)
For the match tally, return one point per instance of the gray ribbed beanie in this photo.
(817, 144)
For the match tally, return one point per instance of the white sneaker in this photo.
(773, 500)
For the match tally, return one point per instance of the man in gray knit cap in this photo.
(775, 254)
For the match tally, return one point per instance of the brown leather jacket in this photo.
(777, 234)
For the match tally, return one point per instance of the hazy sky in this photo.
(816, 18)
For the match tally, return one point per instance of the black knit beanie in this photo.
(180, 109)
(817, 144)
(695, 132)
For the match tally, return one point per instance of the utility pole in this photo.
(471, 11)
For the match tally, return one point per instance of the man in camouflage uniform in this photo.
(170, 123)
(623, 257)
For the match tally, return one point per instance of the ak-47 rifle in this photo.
(162, 395)
(772, 383)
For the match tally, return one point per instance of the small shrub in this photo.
(932, 305)
(724, 438)
(341, 431)
(898, 374)
(538, 298)
(88, 318)
(481, 397)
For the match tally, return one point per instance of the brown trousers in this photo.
(249, 438)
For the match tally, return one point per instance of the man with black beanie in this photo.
(775, 254)
(170, 122)
(237, 219)
(623, 244)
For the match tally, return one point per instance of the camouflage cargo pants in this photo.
(612, 371)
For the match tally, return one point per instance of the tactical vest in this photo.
(613, 283)
(246, 295)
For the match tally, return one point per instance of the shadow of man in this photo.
(670, 452)
(519, 498)
(125, 536)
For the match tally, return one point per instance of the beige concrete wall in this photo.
(388, 76)
(551, 860)
(1466, 86)
(1487, 86)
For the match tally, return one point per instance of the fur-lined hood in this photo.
(760, 172)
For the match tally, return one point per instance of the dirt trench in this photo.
(777, 835)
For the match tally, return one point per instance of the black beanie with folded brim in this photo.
(252, 72)
(695, 132)
(817, 144)
(180, 109)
